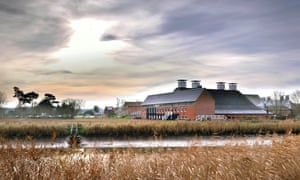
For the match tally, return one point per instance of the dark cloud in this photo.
(199, 24)
(26, 27)
(108, 37)
(9, 8)
(50, 72)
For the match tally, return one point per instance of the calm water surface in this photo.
(157, 142)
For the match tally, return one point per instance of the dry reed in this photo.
(279, 161)
(134, 128)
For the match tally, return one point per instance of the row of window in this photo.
(161, 117)
(167, 109)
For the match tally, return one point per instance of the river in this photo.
(214, 141)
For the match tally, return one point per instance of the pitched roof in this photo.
(179, 95)
(226, 101)
(256, 100)
(233, 102)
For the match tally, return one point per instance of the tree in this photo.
(2, 101)
(275, 105)
(46, 105)
(48, 101)
(96, 109)
(70, 107)
(29, 97)
(18, 94)
(295, 97)
(2, 98)
(24, 98)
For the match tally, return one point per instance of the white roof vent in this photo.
(181, 83)
(233, 86)
(221, 85)
(196, 84)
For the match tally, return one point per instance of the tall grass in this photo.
(184, 128)
(36, 131)
(279, 161)
(153, 128)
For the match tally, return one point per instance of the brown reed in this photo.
(279, 161)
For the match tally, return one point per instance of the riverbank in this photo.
(142, 128)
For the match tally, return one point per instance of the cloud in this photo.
(50, 72)
(31, 30)
(157, 42)
(108, 37)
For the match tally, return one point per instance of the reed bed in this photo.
(136, 128)
(279, 161)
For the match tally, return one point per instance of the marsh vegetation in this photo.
(279, 161)
(143, 128)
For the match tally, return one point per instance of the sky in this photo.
(101, 50)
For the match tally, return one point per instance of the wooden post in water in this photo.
(74, 138)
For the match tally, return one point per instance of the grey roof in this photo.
(239, 112)
(256, 100)
(233, 102)
(177, 96)
(226, 101)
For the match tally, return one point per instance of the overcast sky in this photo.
(100, 50)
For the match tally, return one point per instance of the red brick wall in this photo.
(131, 109)
(204, 105)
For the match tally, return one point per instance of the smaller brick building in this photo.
(109, 111)
(133, 109)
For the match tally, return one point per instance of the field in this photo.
(279, 161)
(47, 128)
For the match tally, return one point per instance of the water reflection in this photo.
(156, 142)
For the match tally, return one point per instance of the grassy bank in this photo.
(187, 128)
(279, 161)
(135, 128)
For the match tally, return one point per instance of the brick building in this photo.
(200, 103)
(133, 109)
(109, 111)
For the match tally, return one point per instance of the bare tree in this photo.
(277, 103)
(70, 107)
(296, 103)
(296, 97)
(2, 98)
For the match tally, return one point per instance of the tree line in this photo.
(284, 106)
(47, 107)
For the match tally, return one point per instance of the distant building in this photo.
(279, 108)
(109, 111)
(133, 109)
(200, 103)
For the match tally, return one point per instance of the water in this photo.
(156, 142)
